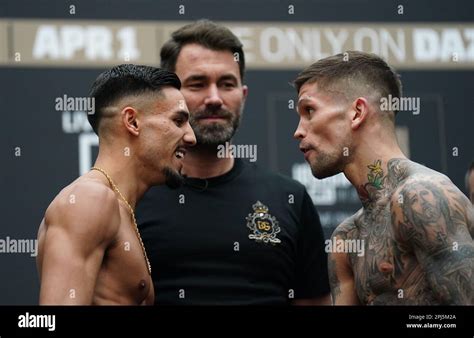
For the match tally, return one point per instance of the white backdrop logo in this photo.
(273, 45)
(96, 42)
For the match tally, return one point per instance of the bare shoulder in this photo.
(423, 182)
(428, 200)
(86, 206)
(411, 174)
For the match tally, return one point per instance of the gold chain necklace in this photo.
(131, 212)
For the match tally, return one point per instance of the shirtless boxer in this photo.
(90, 250)
(414, 222)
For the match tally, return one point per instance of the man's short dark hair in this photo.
(352, 72)
(124, 80)
(207, 34)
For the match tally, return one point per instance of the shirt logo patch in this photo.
(264, 226)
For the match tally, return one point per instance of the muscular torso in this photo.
(389, 271)
(123, 276)
(385, 274)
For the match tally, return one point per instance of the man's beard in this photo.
(214, 133)
(173, 179)
(327, 165)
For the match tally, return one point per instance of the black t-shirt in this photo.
(249, 236)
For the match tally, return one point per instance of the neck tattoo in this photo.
(376, 183)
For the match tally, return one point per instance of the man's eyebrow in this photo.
(196, 78)
(304, 98)
(228, 77)
(182, 114)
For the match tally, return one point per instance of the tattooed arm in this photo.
(429, 217)
(341, 277)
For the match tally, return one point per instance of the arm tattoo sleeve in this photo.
(429, 218)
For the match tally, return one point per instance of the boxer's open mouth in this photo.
(179, 153)
(304, 149)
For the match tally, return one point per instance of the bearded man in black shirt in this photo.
(234, 233)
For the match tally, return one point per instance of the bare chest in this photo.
(124, 274)
(384, 273)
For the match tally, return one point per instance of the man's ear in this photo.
(359, 112)
(130, 120)
(245, 91)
